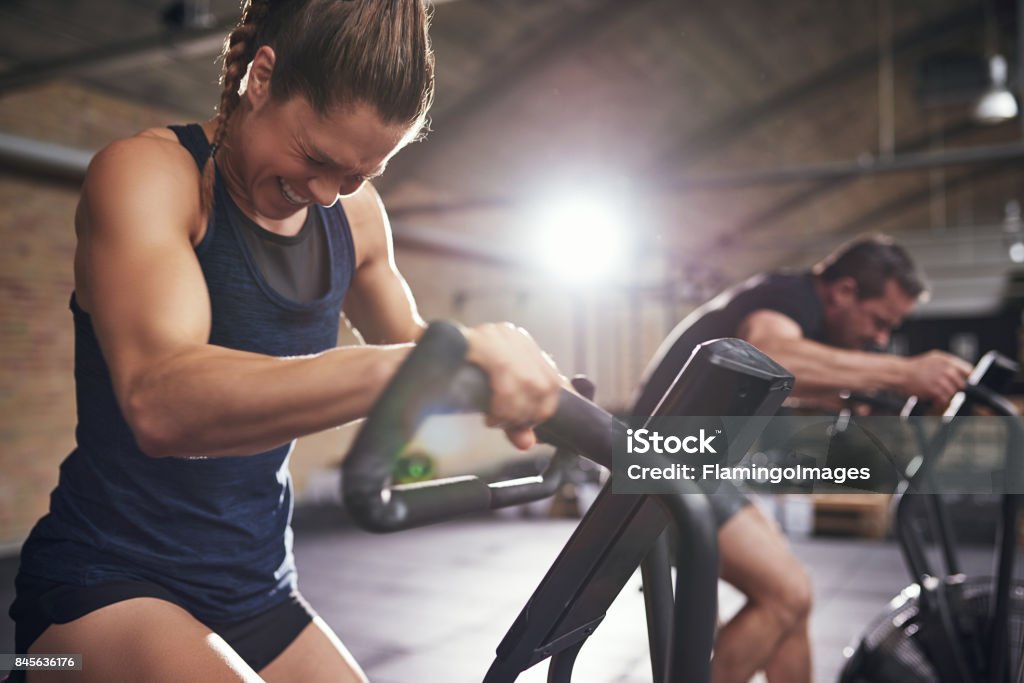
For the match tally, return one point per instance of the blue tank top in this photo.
(216, 531)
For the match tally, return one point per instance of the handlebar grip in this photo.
(408, 399)
(582, 427)
(527, 489)
(989, 398)
(992, 373)
(435, 379)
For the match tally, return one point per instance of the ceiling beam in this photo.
(830, 237)
(699, 142)
(910, 200)
(152, 50)
(571, 33)
(456, 246)
(796, 200)
(723, 128)
(866, 166)
(828, 172)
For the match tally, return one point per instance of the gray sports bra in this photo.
(297, 266)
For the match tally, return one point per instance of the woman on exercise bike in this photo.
(214, 262)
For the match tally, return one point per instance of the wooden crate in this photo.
(857, 514)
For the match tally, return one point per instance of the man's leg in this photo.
(770, 633)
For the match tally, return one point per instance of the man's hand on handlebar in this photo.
(525, 383)
(935, 376)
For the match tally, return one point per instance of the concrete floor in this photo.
(432, 604)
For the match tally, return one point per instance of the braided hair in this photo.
(239, 49)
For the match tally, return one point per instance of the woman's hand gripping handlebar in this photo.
(435, 379)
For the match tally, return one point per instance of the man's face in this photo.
(855, 323)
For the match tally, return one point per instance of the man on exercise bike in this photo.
(822, 325)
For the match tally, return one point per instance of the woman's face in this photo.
(291, 157)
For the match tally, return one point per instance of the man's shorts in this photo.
(726, 501)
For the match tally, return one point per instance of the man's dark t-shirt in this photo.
(792, 294)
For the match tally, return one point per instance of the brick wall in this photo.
(36, 392)
(37, 235)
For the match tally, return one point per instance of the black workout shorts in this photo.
(257, 639)
(726, 501)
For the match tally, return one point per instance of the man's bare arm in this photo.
(817, 367)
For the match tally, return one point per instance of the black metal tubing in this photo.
(908, 535)
(590, 571)
(938, 517)
(728, 378)
(594, 566)
(724, 377)
(433, 380)
(947, 651)
(656, 575)
(990, 375)
(696, 610)
(924, 494)
(560, 667)
(999, 641)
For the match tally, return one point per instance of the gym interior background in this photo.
(595, 169)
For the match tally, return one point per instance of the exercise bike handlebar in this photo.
(436, 380)
(985, 396)
(990, 375)
(981, 390)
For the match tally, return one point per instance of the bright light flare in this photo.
(996, 106)
(581, 239)
(1017, 252)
